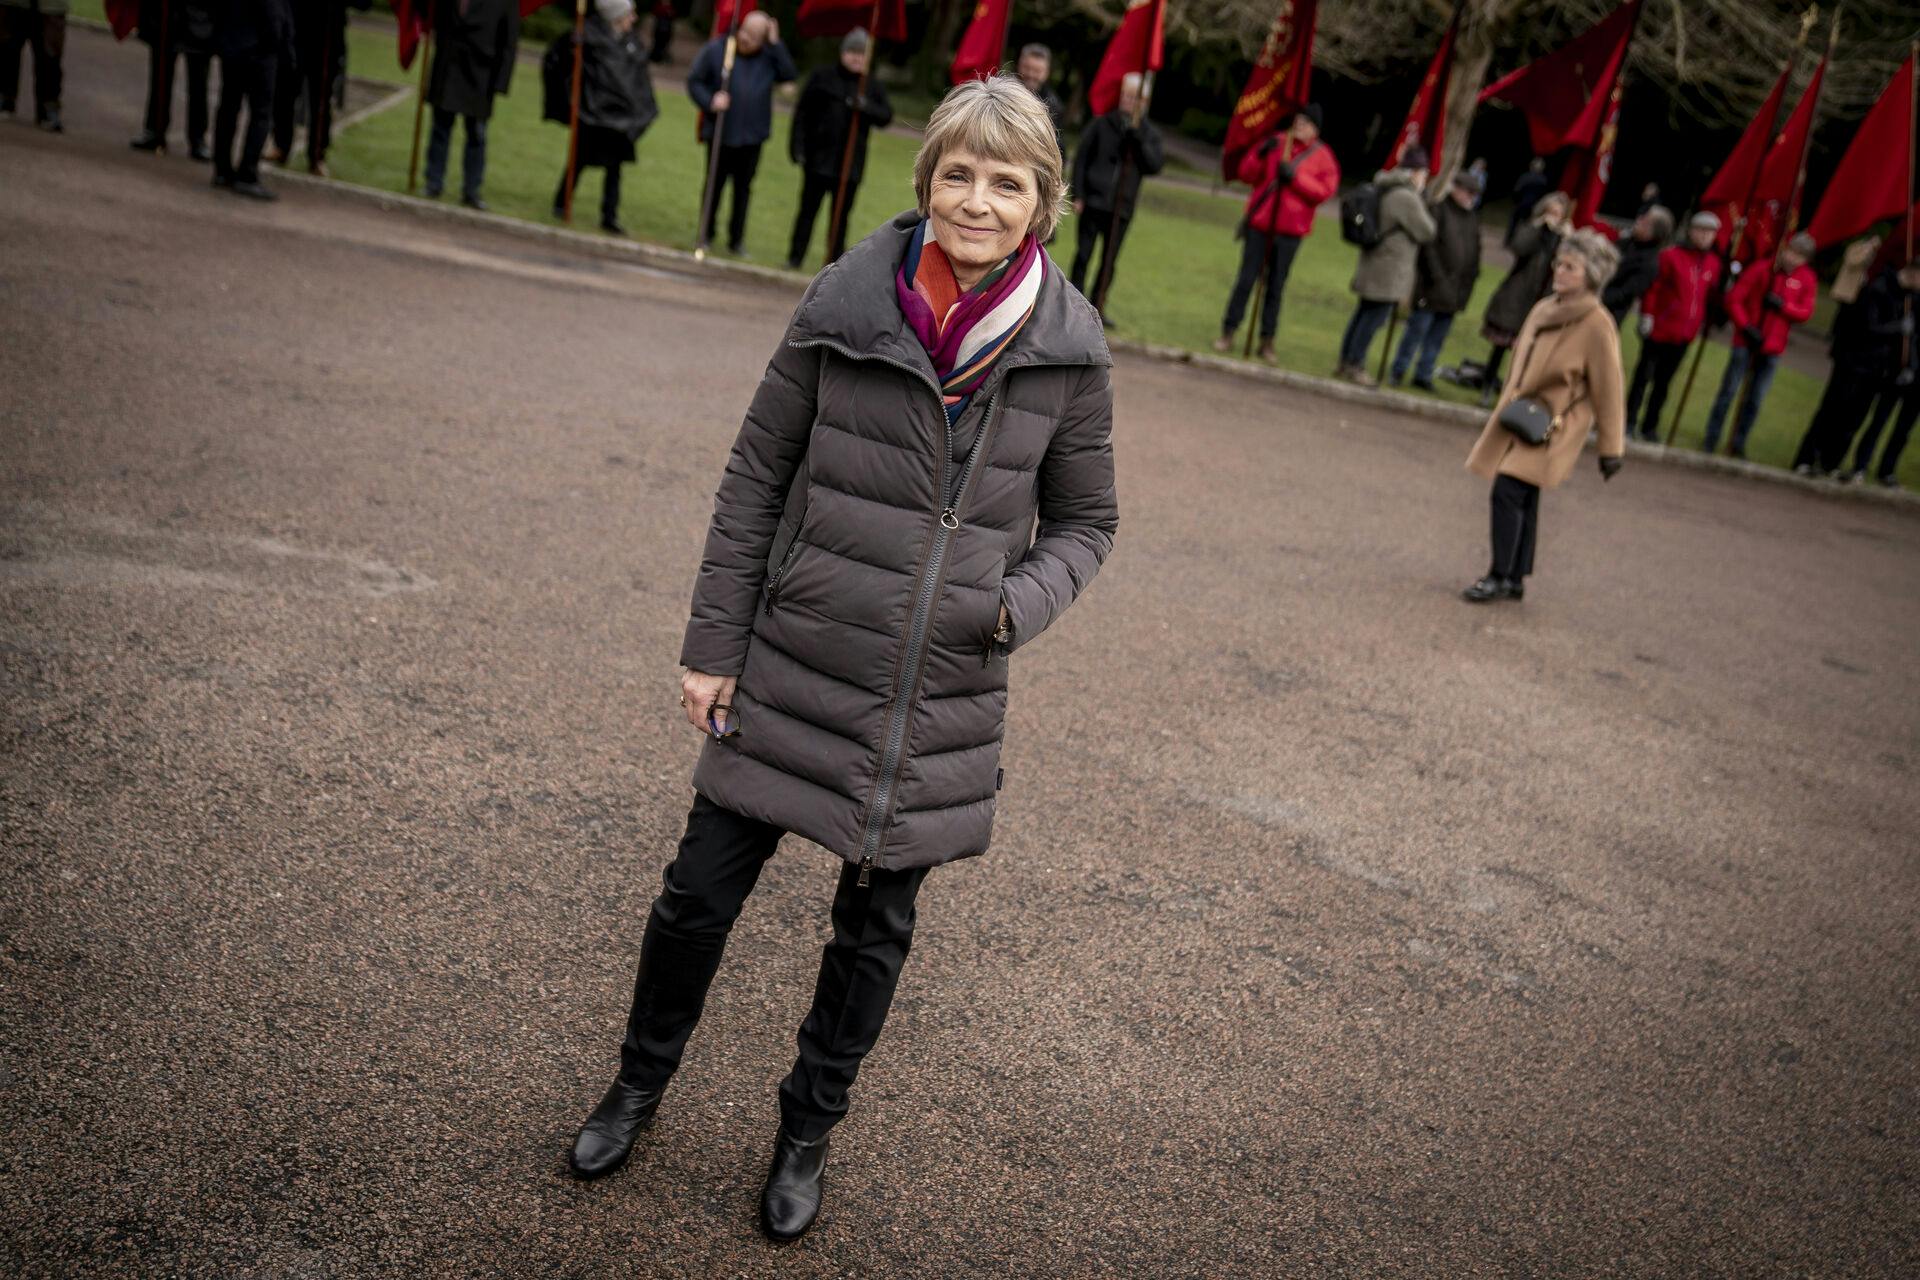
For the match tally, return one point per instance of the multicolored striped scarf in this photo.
(964, 333)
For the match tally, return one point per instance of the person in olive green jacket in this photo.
(1384, 275)
(43, 24)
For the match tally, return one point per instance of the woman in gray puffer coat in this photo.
(923, 483)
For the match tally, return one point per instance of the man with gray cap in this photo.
(1672, 312)
(746, 105)
(817, 140)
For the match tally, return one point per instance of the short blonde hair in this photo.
(1595, 252)
(999, 118)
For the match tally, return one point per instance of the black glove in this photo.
(1776, 302)
(1266, 148)
(1284, 173)
(1751, 333)
(1609, 468)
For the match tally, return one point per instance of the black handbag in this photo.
(1531, 420)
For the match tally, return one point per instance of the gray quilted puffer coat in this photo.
(860, 551)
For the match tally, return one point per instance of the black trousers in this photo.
(247, 81)
(1846, 405)
(303, 95)
(1276, 254)
(1652, 375)
(737, 166)
(47, 33)
(1516, 521)
(1093, 228)
(816, 193)
(701, 894)
(609, 189)
(160, 92)
(1906, 402)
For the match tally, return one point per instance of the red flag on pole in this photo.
(1776, 191)
(412, 18)
(837, 17)
(723, 14)
(1427, 118)
(1567, 96)
(1587, 177)
(984, 47)
(1871, 182)
(1137, 46)
(1741, 170)
(123, 16)
(1281, 82)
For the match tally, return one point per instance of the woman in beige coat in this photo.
(1567, 357)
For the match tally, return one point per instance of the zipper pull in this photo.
(949, 519)
(866, 868)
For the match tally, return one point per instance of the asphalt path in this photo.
(1333, 926)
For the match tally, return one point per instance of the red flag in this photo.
(883, 19)
(413, 19)
(1736, 177)
(984, 47)
(528, 6)
(1427, 118)
(123, 16)
(1776, 203)
(1871, 182)
(1281, 82)
(1587, 177)
(723, 14)
(1137, 46)
(1568, 95)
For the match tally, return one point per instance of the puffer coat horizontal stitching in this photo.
(860, 624)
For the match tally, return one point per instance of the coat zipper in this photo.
(773, 583)
(944, 529)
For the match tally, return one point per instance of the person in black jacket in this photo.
(171, 31)
(252, 38)
(817, 140)
(1876, 360)
(1097, 189)
(1443, 280)
(616, 100)
(1033, 67)
(1639, 261)
(312, 81)
(474, 44)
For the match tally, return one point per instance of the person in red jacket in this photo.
(1291, 177)
(1671, 314)
(1768, 301)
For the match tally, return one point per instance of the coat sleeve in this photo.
(1740, 299)
(509, 49)
(1606, 391)
(1800, 300)
(1418, 219)
(1315, 181)
(879, 108)
(746, 511)
(1078, 513)
(784, 72)
(703, 77)
(1149, 148)
(797, 124)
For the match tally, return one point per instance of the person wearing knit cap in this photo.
(474, 44)
(830, 103)
(746, 107)
(1292, 175)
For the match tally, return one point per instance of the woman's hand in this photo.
(700, 691)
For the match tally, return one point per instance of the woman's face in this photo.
(1569, 275)
(981, 209)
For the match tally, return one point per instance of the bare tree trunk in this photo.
(1473, 47)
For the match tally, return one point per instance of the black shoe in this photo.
(791, 1199)
(199, 151)
(432, 193)
(148, 140)
(606, 1139)
(1106, 321)
(1516, 588)
(6, 106)
(793, 264)
(739, 251)
(1487, 589)
(253, 191)
(1421, 384)
(1650, 435)
(50, 120)
(222, 179)
(612, 227)
(475, 203)
(1738, 455)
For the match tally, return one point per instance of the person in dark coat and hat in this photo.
(818, 140)
(474, 44)
(923, 483)
(173, 30)
(616, 100)
(1533, 245)
(253, 38)
(1097, 190)
(305, 92)
(1639, 261)
(1443, 280)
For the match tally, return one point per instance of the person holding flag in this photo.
(1292, 175)
(173, 30)
(745, 107)
(475, 43)
(1764, 305)
(1117, 151)
(831, 103)
(616, 101)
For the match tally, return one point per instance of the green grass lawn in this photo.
(1170, 287)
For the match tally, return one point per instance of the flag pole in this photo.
(1913, 197)
(573, 109)
(165, 68)
(1737, 241)
(1266, 259)
(325, 108)
(420, 101)
(837, 222)
(710, 194)
(1792, 221)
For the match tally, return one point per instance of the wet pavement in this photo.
(1333, 926)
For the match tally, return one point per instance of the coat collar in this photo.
(852, 305)
(1555, 314)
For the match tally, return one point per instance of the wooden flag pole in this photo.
(573, 109)
(324, 110)
(837, 222)
(1737, 241)
(710, 195)
(1266, 260)
(420, 102)
(1108, 253)
(165, 67)
(1913, 135)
